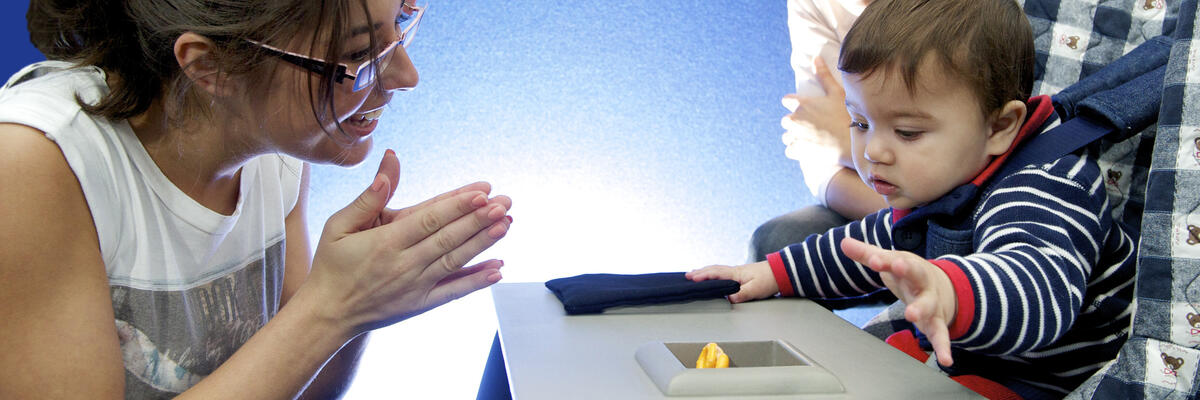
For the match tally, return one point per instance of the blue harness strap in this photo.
(1093, 108)
(1054, 143)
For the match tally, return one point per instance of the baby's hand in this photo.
(756, 279)
(924, 287)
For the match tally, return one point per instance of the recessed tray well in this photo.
(766, 367)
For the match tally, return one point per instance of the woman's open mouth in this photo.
(362, 124)
(365, 118)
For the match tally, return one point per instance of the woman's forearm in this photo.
(282, 358)
(337, 375)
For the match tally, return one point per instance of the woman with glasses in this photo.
(153, 182)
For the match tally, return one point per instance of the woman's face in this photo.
(290, 124)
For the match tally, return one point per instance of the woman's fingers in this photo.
(826, 79)
(790, 101)
(446, 263)
(366, 210)
(492, 265)
(798, 125)
(407, 231)
(390, 166)
(484, 187)
(464, 281)
(363, 212)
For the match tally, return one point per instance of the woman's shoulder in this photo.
(77, 154)
(38, 181)
(37, 104)
(61, 80)
(27, 149)
(46, 95)
(48, 247)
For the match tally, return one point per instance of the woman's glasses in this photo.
(364, 75)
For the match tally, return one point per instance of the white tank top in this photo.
(188, 285)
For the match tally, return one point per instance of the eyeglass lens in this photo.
(406, 29)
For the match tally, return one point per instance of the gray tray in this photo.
(768, 367)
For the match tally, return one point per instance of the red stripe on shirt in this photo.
(779, 269)
(963, 293)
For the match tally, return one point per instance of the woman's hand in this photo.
(817, 131)
(756, 279)
(375, 266)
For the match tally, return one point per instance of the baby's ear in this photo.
(194, 54)
(1004, 124)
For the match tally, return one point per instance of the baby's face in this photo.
(913, 148)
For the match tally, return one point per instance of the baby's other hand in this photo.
(923, 287)
(756, 279)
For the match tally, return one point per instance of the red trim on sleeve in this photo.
(779, 269)
(965, 295)
(898, 213)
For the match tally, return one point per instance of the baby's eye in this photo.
(862, 126)
(909, 135)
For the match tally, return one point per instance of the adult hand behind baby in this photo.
(922, 286)
(818, 128)
(374, 266)
(756, 279)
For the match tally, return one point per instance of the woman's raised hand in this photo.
(817, 128)
(375, 266)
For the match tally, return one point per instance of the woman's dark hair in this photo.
(988, 44)
(134, 41)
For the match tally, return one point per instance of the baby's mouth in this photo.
(883, 187)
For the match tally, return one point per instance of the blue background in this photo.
(633, 137)
(16, 48)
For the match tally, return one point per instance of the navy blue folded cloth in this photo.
(593, 293)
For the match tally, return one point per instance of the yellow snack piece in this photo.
(722, 361)
(712, 356)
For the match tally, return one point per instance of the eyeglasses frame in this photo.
(320, 66)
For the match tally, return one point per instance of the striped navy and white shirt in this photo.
(1043, 274)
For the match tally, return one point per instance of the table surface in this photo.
(550, 355)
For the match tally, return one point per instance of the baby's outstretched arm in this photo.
(756, 279)
(922, 286)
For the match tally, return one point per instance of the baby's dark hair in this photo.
(988, 44)
(134, 40)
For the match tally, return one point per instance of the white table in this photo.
(551, 355)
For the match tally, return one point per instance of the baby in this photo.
(1023, 279)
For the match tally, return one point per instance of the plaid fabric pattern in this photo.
(1160, 359)
(1152, 180)
(1074, 39)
